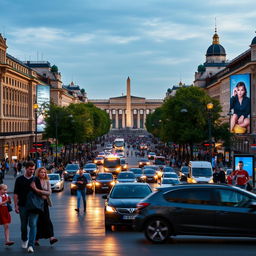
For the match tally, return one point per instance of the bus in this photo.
(118, 144)
(112, 164)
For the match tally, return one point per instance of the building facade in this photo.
(18, 82)
(127, 111)
(215, 77)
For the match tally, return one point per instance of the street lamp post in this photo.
(209, 108)
(35, 106)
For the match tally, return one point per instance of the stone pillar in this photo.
(128, 104)
(144, 118)
(110, 117)
(138, 118)
(123, 118)
(116, 118)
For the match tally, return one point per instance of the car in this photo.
(126, 177)
(197, 209)
(70, 171)
(91, 168)
(200, 172)
(89, 185)
(120, 204)
(142, 162)
(156, 168)
(143, 146)
(170, 175)
(151, 156)
(124, 164)
(109, 147)
(184, 170)
(104, 182)
(101, 154)
(56, 182)
(160, 161)
(149, 175)
(99, 160)
(168, 169)
(166, 182)
(138, 174)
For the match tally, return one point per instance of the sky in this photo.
(97, 44)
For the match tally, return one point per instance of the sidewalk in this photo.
(9, 180)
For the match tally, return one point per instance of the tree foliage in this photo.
(77, 123)
(183, 118)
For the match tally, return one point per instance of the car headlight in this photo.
(97, 183)
(118, 169)
(148, 163)
(89, 184)
(211, 181)
(140, 162)
(156, 176)
(65, 172)
(113, 183)
(125, 166)
(72, 185)
(110, 209)
(193, 180)
(106, 169)
(143, 177)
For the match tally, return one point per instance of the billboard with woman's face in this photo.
(240, 103)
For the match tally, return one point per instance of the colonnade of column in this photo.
(138, 118)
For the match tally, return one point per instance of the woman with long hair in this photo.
(44, 224)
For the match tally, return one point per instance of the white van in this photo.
(200, 172)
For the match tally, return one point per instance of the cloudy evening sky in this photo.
(99, 43)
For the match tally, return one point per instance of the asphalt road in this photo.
(84, 234)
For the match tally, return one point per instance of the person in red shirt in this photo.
(241, 176)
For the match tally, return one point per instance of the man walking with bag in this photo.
(81, 182)
(21, 190)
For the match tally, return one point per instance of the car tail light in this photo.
(141, 206)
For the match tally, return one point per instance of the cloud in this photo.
(121, 39)
(160, 31)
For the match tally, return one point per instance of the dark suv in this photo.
(193, 209)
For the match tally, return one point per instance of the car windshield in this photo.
(125, 175)
(202, 172)
(149, 171)
(105, 176)
(184, 169)
(90, 166)
(168, 169)
(99, 158)
(54, 177)
(136, 171)
(170, 175)
(111, 163)
(143, 160)
(170, 181)
(128, 191)
(160, 161)
(72, 167)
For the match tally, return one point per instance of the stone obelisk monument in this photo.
(128, 104)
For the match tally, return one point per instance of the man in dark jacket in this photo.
(81, 182)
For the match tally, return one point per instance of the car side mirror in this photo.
(104, 197)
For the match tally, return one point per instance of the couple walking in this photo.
(39, 222)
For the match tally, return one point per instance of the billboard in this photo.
(240, 103)
(42, 100)
(248, 161)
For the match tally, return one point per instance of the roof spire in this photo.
(215, 38)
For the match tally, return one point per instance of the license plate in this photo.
(104, 187)
(129, 217)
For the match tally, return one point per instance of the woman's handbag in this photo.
(34, 203)
(9, 207)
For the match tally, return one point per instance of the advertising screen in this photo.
(240, 103)
(248, 163)
(42, 99)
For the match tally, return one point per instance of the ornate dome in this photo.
(54, 69)
(253, 41)
(216, 49)
(201, 68)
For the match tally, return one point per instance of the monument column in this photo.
(128, 104)
(144, 118)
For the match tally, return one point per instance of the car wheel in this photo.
(157, 230)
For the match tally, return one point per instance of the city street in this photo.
(84, 234)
